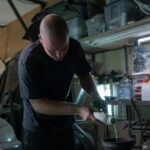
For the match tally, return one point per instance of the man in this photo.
(46, 68)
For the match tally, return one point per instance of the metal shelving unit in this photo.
(116, 38)
(120, 38)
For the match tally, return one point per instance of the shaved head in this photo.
(54, 36)
(53, 25)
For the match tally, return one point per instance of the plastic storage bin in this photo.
(95, 24)
(107, 2)
(77, 27)
(120, 12)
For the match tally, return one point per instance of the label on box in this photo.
(140, 60)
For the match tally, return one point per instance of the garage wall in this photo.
(108, 61)
(113, 60)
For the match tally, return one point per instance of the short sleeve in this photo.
(83, 66)
(30, 78)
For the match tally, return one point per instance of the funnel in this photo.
(119, 144)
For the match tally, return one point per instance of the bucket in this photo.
(119, 144)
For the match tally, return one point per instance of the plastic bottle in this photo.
(104, 118)
(125, 89)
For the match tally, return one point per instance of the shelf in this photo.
(128, 102)
(117, 37)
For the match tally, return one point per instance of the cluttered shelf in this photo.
(117, 37)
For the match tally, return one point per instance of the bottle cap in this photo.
(113, 120)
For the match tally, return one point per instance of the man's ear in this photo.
(40, 38)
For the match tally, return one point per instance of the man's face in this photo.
(54, 47)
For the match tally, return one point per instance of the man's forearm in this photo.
(89, 86)
(52, 107)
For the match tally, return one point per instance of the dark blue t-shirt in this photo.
(42, 77)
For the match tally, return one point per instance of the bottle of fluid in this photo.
(104, 118)
(124, 89)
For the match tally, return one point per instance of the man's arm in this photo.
(88, 84)
(52, 107)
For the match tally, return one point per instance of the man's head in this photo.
(54, 36)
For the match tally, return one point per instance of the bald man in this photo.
(46, 69)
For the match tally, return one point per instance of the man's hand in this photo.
(86, 113)
(100, 104)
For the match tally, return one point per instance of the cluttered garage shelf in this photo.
(107, 38)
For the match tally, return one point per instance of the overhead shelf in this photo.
(118, 37)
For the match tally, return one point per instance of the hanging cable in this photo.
(17, 14)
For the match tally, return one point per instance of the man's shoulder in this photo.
(27, 51)
(31, 47)
(75, 45)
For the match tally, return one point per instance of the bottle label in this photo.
(104, 118)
